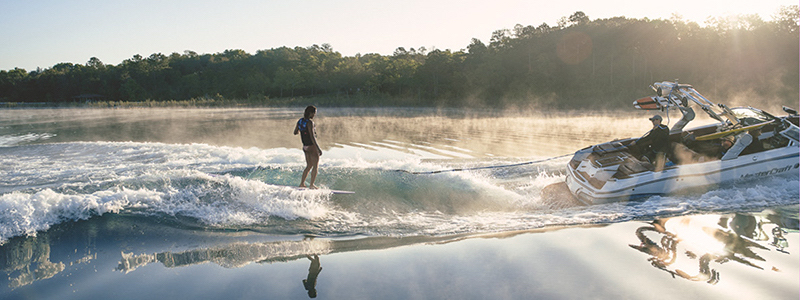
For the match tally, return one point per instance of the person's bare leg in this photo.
(314, 164)
(309, 159)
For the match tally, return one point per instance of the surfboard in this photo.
(730, 132)
(337, 192)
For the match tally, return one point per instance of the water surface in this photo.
(137, 189)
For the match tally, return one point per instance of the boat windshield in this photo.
(791, 133)
(749, 116)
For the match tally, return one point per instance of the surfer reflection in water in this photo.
(305, 127)
(310, 283)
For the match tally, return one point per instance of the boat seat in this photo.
(683, 155)
(614, 158)
(632, 166)
(608, 148)
(709, 150)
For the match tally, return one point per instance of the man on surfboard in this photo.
(305, 127)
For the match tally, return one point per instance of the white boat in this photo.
(763, 145)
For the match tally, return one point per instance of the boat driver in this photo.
(655, 143)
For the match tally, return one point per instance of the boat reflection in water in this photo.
(690, 246)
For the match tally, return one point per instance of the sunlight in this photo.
(694, 233)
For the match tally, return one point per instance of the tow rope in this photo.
(486, 167)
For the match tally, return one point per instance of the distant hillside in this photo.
(602, 63)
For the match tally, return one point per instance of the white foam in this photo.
(284, 202)
(27, 213)
(43, 185)
(16, 140)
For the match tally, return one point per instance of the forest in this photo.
(578, 63)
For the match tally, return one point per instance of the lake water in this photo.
(89, 195)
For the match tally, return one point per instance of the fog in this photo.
(450, 133)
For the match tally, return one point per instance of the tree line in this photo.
(601, 63)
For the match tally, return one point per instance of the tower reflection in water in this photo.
(689, 246)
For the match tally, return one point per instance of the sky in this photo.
(43, 33)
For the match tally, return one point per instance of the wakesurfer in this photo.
(305, 127)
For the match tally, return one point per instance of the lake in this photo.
(191, 203)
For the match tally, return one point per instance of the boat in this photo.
(745, 143)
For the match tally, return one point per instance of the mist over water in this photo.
(221, 169)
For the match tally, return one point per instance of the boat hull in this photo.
(685, 177)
